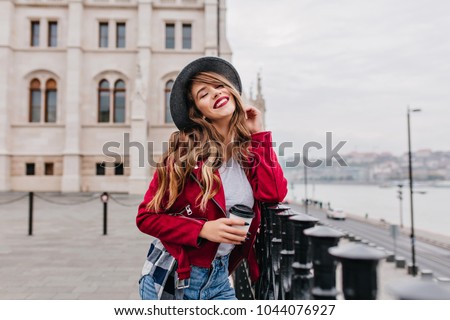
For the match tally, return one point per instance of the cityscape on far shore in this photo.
(431, 168)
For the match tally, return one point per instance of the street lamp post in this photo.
(400, 197)
(306, 185)
(411, 192)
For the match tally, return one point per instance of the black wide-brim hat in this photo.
(179, 95)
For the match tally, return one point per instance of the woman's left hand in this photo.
(253, 119)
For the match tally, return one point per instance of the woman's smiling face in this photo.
(215, 102)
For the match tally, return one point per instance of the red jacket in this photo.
(178, 228)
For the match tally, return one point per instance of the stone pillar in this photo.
(6, 18)
(211, 36)
(224, 47)
(216, 41)
(71, 180)
(137, 148)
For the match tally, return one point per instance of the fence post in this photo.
(30, 213)
(322, 238)
(242, 284)
(359, 270)
(275, 248)
(287, 254)
(264, 285)
(302, 279)
(104, 198)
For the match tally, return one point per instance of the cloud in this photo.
(350, 67)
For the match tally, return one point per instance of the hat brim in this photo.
(178, 95)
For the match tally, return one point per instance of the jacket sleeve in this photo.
(266, 174)
(178, 230)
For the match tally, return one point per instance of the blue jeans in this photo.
(147, 289)
(210, 283)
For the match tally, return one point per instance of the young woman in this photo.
(220, 157)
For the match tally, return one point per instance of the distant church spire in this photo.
(257, 101)
(259, 90)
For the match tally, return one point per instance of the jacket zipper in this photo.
(187, 209)
(214, 200)
(189, 212)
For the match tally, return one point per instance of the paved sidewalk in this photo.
(69, 258)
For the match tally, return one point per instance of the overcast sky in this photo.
(350, 67)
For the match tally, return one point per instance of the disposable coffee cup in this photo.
(242, 212)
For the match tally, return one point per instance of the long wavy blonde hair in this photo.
(201, 142)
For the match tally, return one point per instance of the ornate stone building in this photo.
(84, 87)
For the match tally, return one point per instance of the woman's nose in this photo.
(216, 92)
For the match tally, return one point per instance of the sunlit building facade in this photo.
(84, 87)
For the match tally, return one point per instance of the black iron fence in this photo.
(103, 197)
(298, 257)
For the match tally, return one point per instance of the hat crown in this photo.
(179, 107)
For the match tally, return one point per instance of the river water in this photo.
(431, 210)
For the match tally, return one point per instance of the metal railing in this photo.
(104, 198)
(298, 257)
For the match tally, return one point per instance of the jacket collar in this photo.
(220, 196)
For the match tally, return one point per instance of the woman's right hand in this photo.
(222, 231)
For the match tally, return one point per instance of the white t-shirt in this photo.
(237, 190)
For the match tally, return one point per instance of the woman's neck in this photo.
(223, 129)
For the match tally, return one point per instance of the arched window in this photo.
(50, 101)
(167, 91)
(119, 101)
(35, 101)
(111, 101)
(103, 101)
